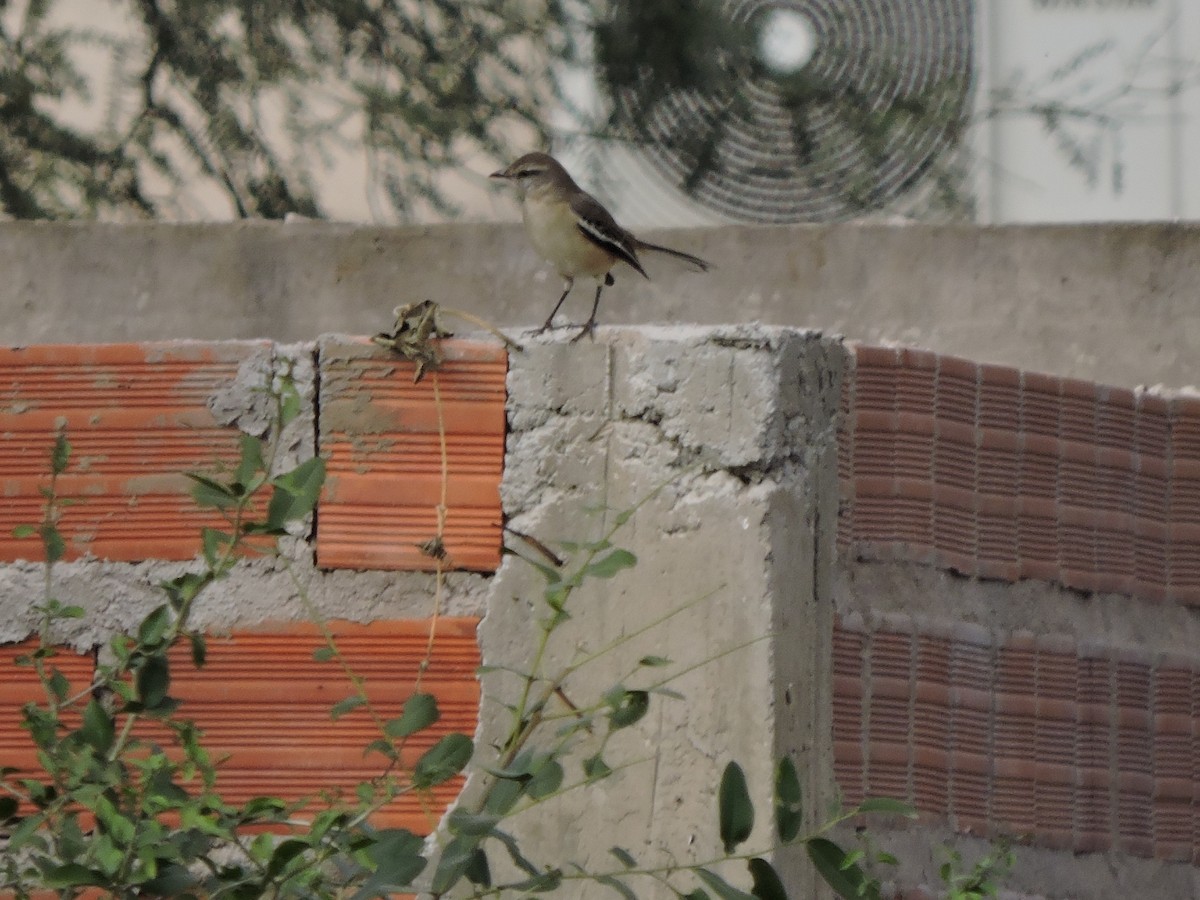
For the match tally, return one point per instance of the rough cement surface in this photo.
(117, 596)
(1048, 874)
(703, 431)
(1115, 303)
(875, 589)
(249, 403)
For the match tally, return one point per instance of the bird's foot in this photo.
(548, 325)
(589, 329)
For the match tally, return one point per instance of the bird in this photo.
(574, 232)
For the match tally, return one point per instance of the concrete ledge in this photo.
(1112, 303)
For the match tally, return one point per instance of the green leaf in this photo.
(251, 461)
(767, 883)
(324, 654)
(173, 880)
(183, 589)
(420, 711)
(153, 680)
(551, 574)
(284, 854)
(477, 869)
(208, 492)
(610, 882)
(98, 729)
(26, 833)
(213, 542)
(117, 825)
(546, 780)
(595, 768)
(453, 863)
(887, 805)
(59, 685)
(52, 543)
(723, 888)
(154, 627)
(61, 454)
(443, 761)
(71, 875)
(788, 811)
(383, 746)
(462, 822)
(346, 705)
(199, 649)
(627, 706)
(24, 531)
(504, 795)
(290, 400)
(736, 811)
(624, 857)
(850, 883)
(611, 564)
(396, 853)
(296, 492)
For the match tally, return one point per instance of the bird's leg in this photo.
(589, 327)
(549, 323)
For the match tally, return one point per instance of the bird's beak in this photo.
(501, 174)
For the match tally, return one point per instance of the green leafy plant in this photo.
(979, 881)
(131, 810)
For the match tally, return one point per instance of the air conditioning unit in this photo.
(826, 110)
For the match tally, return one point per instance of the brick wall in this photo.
(1074, 744)
(1005, 474)
(1069, 743)
(138, 415)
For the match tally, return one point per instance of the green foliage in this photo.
(735, 808)
(981, 880)
(249, 102)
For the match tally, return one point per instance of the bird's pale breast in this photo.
(555, 235)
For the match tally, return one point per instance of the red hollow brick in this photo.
(380, 433)
(137, 417)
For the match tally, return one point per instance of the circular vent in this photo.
(793, 111)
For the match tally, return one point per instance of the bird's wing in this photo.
(598, 226)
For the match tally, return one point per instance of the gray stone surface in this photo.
(1113, 303)
(877, 589)
(116, 596)
(1036, 872)
(720, 439)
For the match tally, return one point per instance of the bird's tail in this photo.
(696, 261)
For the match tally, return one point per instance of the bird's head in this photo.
(529, 169)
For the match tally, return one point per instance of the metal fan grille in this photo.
(897, 77)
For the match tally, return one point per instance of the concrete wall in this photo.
(738, 426)
(1118, 304)
(723, 436)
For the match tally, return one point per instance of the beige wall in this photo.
(1119, 304)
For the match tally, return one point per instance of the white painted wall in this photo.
(1143, 164)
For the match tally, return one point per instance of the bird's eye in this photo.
(526, 173)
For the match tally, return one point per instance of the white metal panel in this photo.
(1124, 143)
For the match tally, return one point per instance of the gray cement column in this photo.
(727, 439)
